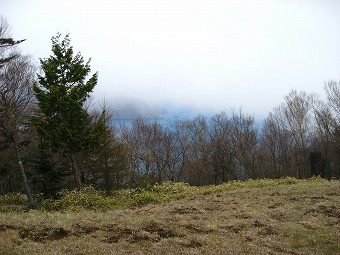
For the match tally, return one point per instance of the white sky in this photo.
(211, 54)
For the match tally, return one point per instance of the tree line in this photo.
(51, 138)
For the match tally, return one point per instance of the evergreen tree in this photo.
(61, 93)
(107, 165)
(48, 175)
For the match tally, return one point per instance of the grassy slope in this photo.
(284, 216)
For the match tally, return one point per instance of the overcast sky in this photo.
(211, 54)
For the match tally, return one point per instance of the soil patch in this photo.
(5, 227)
(161, 230)
(79, 229)
(185, 210)
(199, 229)
(43, 234)
(152, 232)
(330, 211)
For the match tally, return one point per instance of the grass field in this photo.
(285, 216)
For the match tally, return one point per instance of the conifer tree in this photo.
(61, 93)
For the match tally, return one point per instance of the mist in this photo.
(210, 56)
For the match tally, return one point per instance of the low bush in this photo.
(88, 198)
(161, 193)
(12, 202)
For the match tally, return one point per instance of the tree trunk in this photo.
(76, 172)
(31, 201)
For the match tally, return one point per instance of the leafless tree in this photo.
(6, 43)
(245, 140)
(223, 150)
(16, 105)
(287, 135)
(277, 144)
(173, 153)
(328, 120)
(332, 89)
(198, 167)
(179, 143)
(298, 113)
(143, 140)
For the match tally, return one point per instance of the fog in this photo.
(209, 56)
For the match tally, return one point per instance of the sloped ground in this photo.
(299, 218)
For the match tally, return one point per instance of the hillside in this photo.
(285, 216)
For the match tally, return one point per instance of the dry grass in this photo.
(289, 217)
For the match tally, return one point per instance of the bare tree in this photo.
(287, 135)
(16, 105)
(330, 121)
(298, 113)
(198, 168)
(245, 139)
(323, 137)
(277, 144)
(179, 144)
(143, 140)
(332, 89)
(173, 153)
(6, 43)
(223, 150)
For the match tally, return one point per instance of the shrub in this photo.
(145, 197)
(88, 198)
(12, 202)
(77, 200)
(157, 193)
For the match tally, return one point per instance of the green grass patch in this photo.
(258, 183)
(88, 198)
